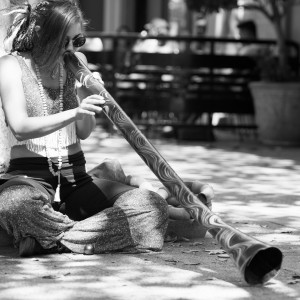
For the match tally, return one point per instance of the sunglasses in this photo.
(77, 41)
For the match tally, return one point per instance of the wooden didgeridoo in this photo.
(256, 261)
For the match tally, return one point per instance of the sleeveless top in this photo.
(34, 107)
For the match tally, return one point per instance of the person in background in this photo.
(157, 27)
(247, 30)
(48, 201)
(123, 45)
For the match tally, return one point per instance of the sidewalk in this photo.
(257, 191)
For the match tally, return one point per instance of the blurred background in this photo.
(186, 69)
(110, 15)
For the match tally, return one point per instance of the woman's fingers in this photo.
(203, 191)
(163, 192)
(94, 99)
(173, 201)
(97, 76)
(178, 213)
(203, 188)
(91, 105)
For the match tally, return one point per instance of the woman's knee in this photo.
(16, 199)
(142, 199)
(147, 216)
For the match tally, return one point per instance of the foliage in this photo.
(270, 70)
(274, 11)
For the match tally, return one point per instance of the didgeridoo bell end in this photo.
(264, 265)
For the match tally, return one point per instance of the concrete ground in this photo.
(257, 191)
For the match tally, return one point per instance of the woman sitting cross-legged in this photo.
(48, 202)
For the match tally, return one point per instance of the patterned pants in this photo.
(137, 221)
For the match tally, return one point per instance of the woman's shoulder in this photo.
(7, 59)
(10, 68)
(9, 62)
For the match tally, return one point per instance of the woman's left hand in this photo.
(203, 191)
(97, 76)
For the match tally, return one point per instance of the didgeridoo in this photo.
(256, 261)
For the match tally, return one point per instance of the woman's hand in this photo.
(85, 115)
(89, 106)
(203, 191)
(97, 76)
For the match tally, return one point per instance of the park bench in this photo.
(182, 90)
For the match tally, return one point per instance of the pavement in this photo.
(257, 191)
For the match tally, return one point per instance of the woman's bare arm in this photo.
(86, 125)
(14, 105)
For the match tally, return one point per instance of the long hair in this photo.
(54, 17)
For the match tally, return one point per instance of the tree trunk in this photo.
(4, 146)
(4, 24)
(281, 40)
(282, 49)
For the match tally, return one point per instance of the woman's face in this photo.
(74, 38)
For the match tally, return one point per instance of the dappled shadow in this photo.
(229, 169)
(251, 182)
(119, 276)
(278, 209)
(256, 191)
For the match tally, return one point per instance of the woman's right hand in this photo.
(90, 106)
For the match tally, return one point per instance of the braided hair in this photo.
(24, 37)
(53, 19)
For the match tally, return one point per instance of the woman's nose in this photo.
(70, 46)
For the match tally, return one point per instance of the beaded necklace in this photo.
(45, 113)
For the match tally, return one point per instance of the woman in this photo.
(95, 212)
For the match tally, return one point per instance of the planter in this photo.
(277, 112)
(5, 239)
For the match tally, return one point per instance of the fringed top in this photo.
(35, 109)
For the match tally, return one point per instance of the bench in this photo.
(181, 90)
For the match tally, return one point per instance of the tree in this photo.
(4, 147)
(273, 10)
(4, 24)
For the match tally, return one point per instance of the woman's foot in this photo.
(29, 246)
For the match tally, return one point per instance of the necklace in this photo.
(45, 113)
